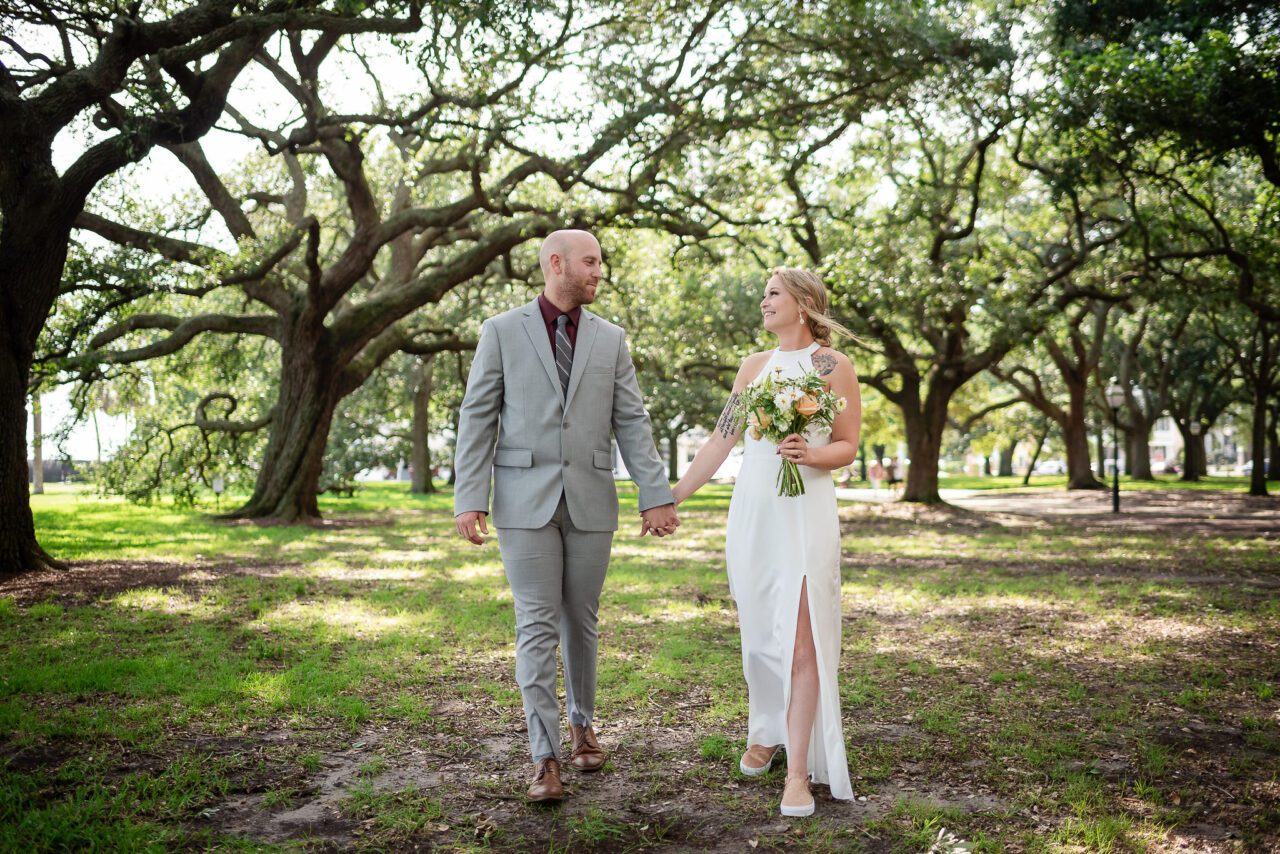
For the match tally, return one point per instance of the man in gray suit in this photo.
(548, 384)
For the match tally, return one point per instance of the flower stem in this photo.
(790, 482)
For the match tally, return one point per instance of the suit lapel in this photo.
(538, 337)
(581, 352)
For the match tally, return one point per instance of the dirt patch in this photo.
(87, 581)
(657, 793)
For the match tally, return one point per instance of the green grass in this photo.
(1089, 674)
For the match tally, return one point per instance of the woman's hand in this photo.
(795, 449)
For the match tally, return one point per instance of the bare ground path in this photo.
(1176, 510)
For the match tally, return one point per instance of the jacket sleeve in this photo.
(634, 433)
(478, 425)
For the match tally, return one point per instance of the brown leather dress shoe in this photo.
(546, 786)
(587, 755)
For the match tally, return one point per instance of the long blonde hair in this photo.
(811, 294)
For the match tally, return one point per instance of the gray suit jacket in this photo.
(546, 444)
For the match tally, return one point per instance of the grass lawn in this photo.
(1037, 686)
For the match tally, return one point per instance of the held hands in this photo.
(466, 525)
(659, 521)
(795, 449)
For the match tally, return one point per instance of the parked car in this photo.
(1247, 468)
(1051, 467)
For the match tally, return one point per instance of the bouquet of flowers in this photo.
(774, 407)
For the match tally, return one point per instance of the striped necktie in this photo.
(564, 353)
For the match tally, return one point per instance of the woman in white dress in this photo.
(784, 552)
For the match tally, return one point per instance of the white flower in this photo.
(785, 398)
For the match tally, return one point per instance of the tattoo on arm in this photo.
(728, 423)
(824, 363)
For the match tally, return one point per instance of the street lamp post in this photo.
(1115, 399)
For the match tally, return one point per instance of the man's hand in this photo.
(466, 524)
(659, 521)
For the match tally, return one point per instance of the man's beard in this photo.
(578, 288)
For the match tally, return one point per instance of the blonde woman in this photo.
(783, 553)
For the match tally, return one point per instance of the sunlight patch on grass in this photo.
(166, 601)
(407, 556)
(476, 570)
(349, 617)
(342, 572)
(271, 689)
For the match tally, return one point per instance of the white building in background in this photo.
(1166, 444)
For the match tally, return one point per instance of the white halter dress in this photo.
(773, 544)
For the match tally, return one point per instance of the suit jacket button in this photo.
(565, 425)
(566, 463)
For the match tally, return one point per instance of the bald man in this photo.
(549, 383)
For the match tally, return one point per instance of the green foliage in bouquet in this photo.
(774, 407)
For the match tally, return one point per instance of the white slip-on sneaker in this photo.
(761, 760)
(797, 787)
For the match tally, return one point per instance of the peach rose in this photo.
(763, 419)
(807, 406)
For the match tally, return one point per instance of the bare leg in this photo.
(804, 691)
(801, 711)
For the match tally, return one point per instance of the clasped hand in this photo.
(659, 521)
(795, 449)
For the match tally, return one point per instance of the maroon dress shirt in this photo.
(549, 315)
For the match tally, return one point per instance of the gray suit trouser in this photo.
(556, 573)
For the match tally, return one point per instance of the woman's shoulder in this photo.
(826, 360)
(751, 367)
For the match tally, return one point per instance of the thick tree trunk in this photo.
(1192, 456)
(424, 375)
(37, 446)
(1273, 444)
(924, 429)
(1263, 386)
(673, 457)
(33, 248)
(1140, 442)
(986, 465)
(1100, 444)
(1006, 460)
(1080, 475)
(19, 551)
(1075, 435)
(289, 480)
(1258, 435)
